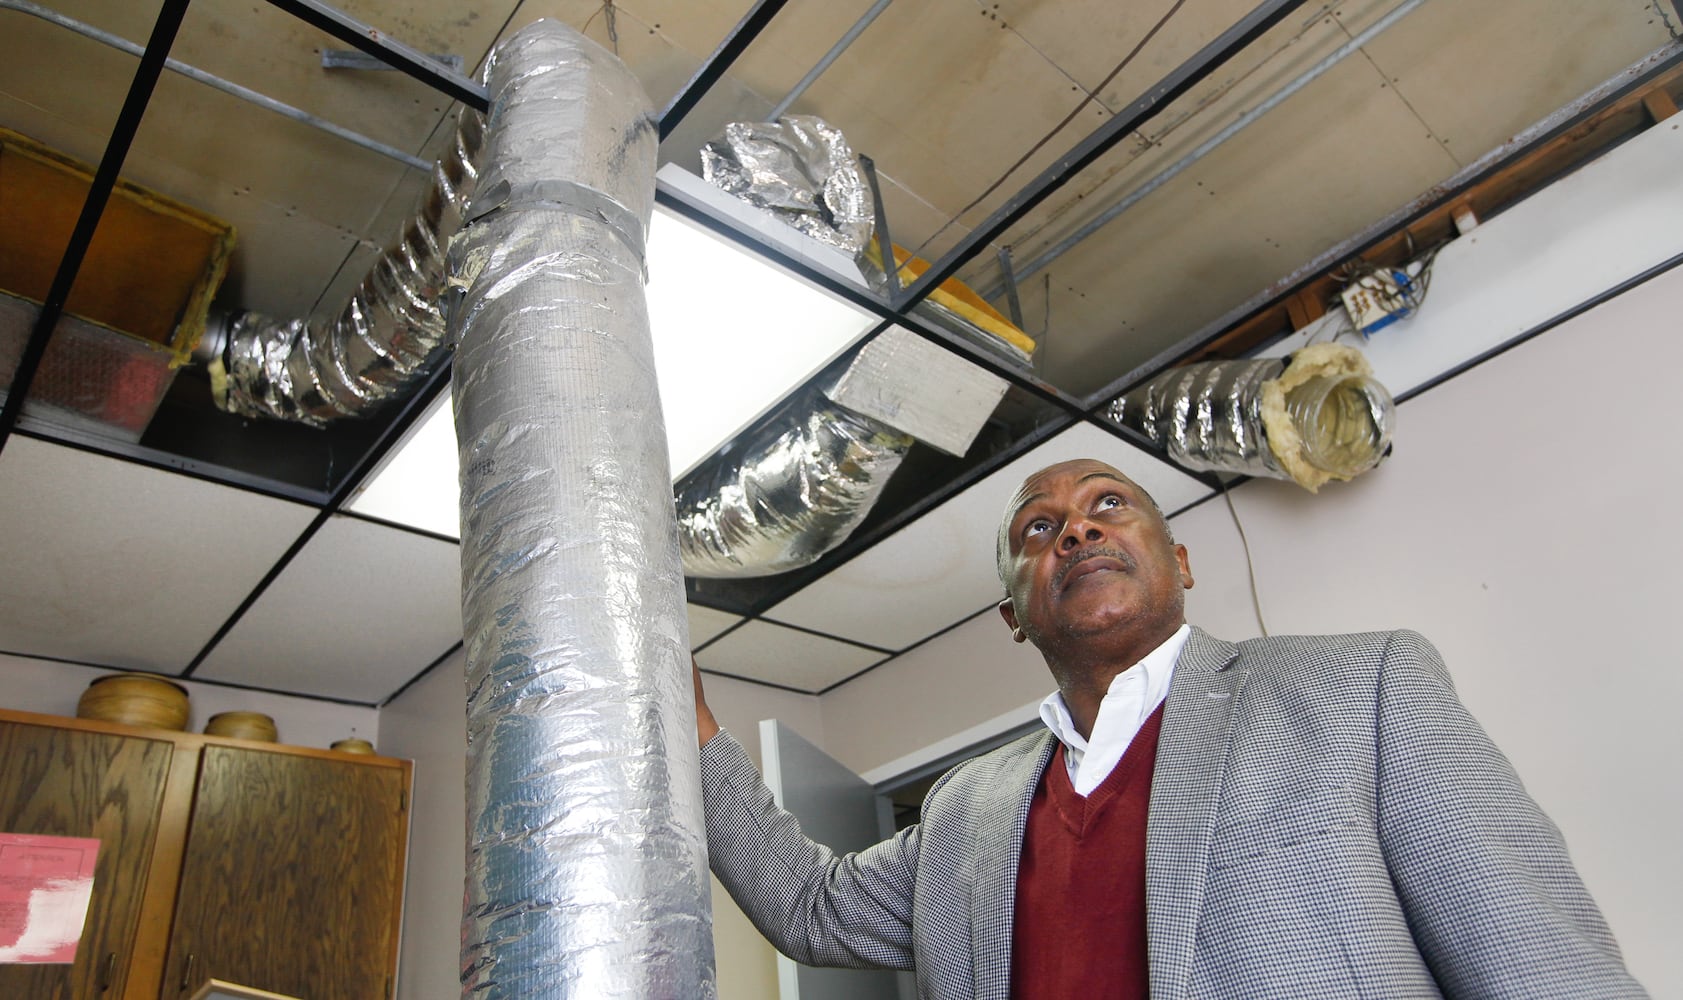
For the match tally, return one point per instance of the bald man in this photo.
(1295, 816)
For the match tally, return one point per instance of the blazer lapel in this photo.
(999, 842)
(1192, 754)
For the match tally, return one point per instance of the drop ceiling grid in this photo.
(785, 657)
(116, 563)
(356, 614)
(940, 569)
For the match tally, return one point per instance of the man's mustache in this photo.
(1091, 552)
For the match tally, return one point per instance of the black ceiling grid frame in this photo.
(411, 410)
(93, 207)
(421, 67)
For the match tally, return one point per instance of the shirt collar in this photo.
(1157, 666)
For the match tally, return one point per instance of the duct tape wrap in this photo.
(794, 495)
(1314, 417)
(587, 871)
(387, 337)
(802, 170)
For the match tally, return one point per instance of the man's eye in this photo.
(1110, 502)
(1036, 527)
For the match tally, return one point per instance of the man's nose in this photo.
(1078, 531)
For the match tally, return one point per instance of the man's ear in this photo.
(1185, 567)
(1008, 611)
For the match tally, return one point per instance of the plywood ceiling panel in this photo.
(1238, 220)
(123, 565)
(1478, 73)
(943, 99)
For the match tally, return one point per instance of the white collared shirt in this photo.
(1133, 696)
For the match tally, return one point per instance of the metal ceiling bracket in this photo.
(388, 50)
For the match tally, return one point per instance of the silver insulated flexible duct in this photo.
(1316, 416)
(389, 334)
(586, 846)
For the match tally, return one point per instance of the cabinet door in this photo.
(292, 879)
(64, 783)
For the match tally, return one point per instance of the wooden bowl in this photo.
(242, 726)
(353, 745)
(135, 699)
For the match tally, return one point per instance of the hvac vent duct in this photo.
(586, 845)
(1311, 418)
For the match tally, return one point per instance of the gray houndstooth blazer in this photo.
(1326, 820)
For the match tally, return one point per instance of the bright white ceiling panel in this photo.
(116, 563)
(417, 484)
(765, 652)
(940, 569)
(732, 335)
(361, 610)
(705, 623)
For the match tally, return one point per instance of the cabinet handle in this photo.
(187, 973)
(105, 975)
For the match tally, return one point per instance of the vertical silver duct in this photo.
(586, 845)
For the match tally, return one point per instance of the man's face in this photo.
(1086, 554)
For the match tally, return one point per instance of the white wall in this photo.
(1526, 525)
(428, 724)
(51, 688)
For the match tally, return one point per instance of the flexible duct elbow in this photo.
(388, 336)
(794, 495)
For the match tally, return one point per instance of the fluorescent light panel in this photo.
(733, 336)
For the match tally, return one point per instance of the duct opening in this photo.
(1316, 416)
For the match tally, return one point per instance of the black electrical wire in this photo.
(1090, 97)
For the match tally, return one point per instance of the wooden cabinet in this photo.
(272, 866)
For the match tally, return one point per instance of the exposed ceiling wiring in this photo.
(1088, 98)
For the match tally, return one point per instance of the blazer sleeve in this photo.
(817, 908)
(1493, 901)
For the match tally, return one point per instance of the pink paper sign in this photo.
(45, 885)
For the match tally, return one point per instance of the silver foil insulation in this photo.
(587, 871)
(795, 494)
(802, 170)
(387, 337)
(799, 488)
(1313, 417)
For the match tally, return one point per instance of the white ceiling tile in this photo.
(705, 623)
(361, 610)
(112, 562)
(765, 652)
(940, 569)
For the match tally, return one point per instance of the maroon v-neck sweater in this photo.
(1079, 925)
